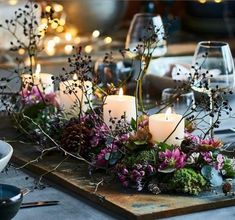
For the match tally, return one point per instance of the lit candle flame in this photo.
(38, 70)
(168, 113)
(120, 93)
(75, 77)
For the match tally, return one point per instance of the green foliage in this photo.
(164, 146)
(133, 124)
(141, 157)
(32, 111)
(229, 168)
(188, 181)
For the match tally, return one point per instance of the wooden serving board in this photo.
(72, 175)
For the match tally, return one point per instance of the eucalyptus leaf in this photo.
(113, 161)
(140, 142)
(109, 140)
(212, 175)
(167, 170)
(107, 156)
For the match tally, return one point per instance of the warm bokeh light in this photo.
(95, 33)
(54, 24)
(202, 1)
(218, 1)
(77, 40)
(12, 2)
(44, 21)
(50, 51)
(108, 40)
(60, 29)
(62, 21)
(68, 36)
(68, 49)
(57, 7)
(21, 51)
(56, 39)
(51, 43)
(50, 48)
(88, 49)
(48, 8)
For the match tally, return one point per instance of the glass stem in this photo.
(212, 112)
(140, 89)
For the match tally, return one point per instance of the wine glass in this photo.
(213, 71)
(144, 26)
(145, 40)
(180, 100)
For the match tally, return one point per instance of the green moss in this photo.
(188, 181)
(141, 157)
(228, 168)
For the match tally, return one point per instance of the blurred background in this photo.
(100, 25)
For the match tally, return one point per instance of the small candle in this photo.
(162, 125)
(116, 106)
(72, 97)
(42, 80)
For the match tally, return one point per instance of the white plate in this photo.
(6, 151)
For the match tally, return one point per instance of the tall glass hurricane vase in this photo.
(213, 72)
(145, 41)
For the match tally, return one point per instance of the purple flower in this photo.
(174, 159)
(125, 183)
(122, 178)
(207, 156)
(102, 158)
(125, 171)
(150, 169)
(142, 173)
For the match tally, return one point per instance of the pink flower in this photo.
(174, 159)
(209, 144)
(32, 96)
(219, 162)
(35, 96)
(51, 99)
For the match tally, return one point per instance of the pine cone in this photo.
(75, 138)
(188, 146)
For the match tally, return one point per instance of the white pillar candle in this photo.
(116, 106)
(42, 80)
(162, 125)
(72, 97)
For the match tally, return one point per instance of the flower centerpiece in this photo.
(125, 144)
